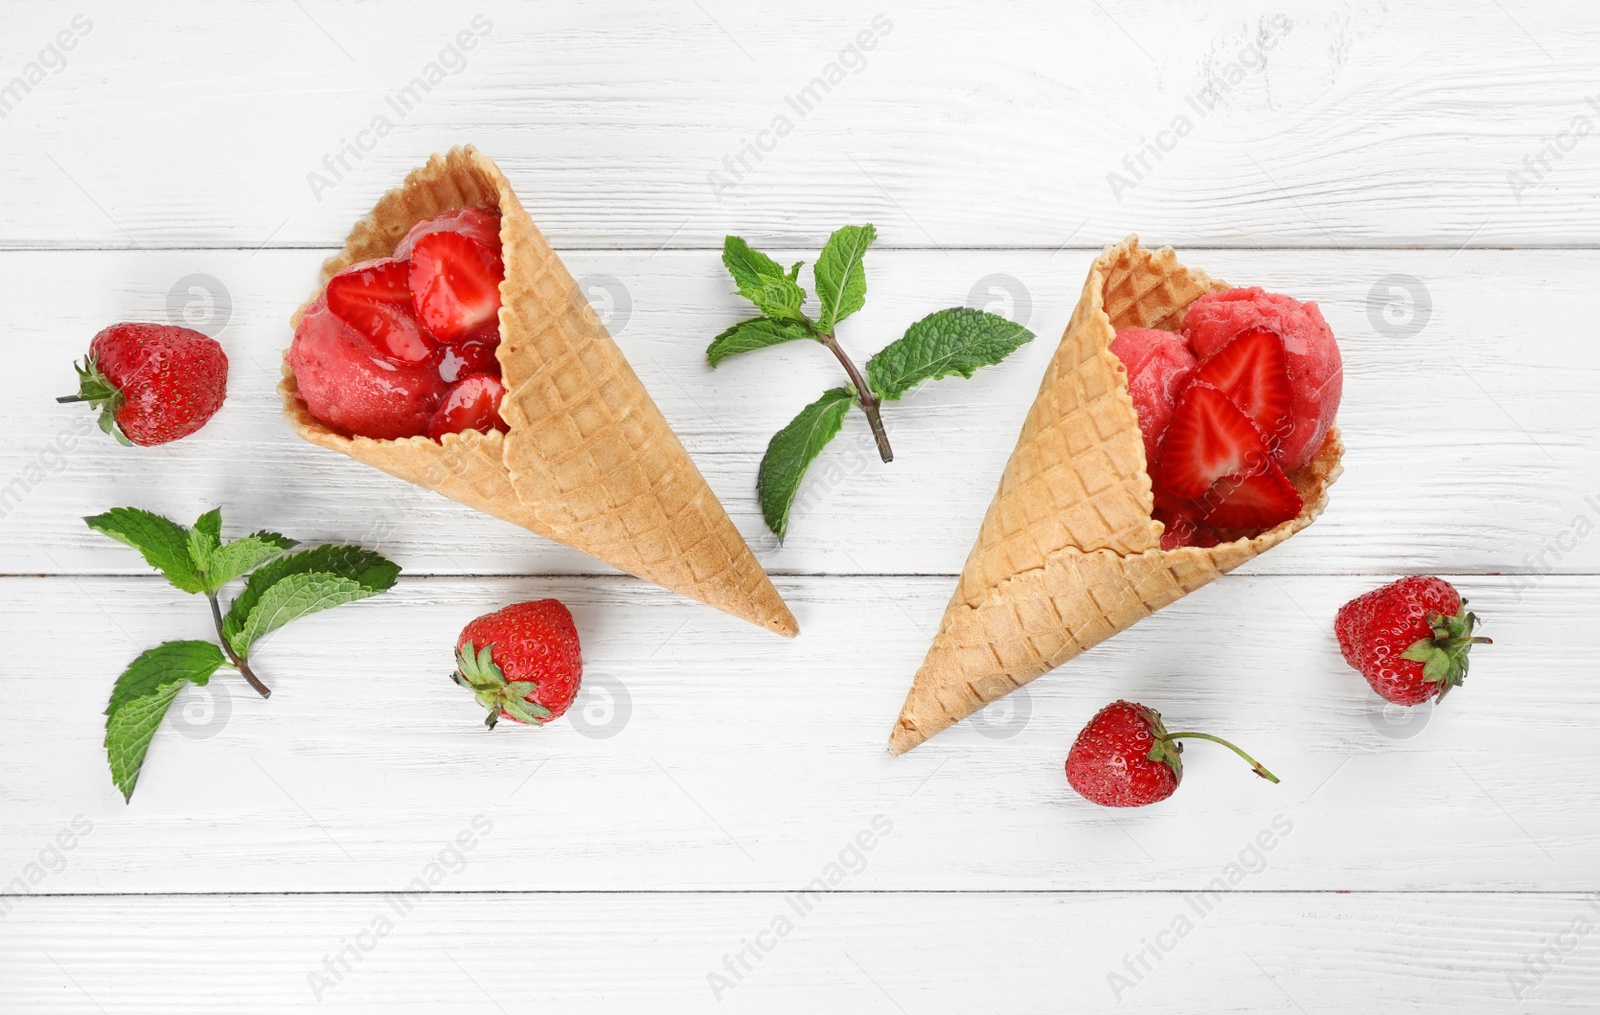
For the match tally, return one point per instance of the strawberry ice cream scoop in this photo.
(1158, 364)
(1316, 373)
(346, 384)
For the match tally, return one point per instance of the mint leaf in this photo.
(240, 557)
(841, 274)
(163, 543)
(760, 280)
(141, 697)
(205, 537)
(954, 341)
(791, 452)
(310, 581)
(757, 333)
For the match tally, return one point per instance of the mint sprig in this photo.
(954, 341)
(196, 560)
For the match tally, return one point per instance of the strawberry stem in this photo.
(237, 660)
(1255, 765)
(869, 401)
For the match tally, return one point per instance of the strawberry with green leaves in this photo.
(153, 383)
(1410, 638)
(522, 663)
(279, 587)
(1125, 757)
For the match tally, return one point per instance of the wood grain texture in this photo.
(926, 954)
(1362, 123)
(1472, 443)
(739, 763)
(1410, 861)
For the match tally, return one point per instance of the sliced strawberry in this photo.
(373, 297)
(473, 403)
(481, 224)
(1253, 372)
(1257, 499)
(455, 285)
(1209, 438)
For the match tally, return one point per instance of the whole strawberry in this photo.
(522, 663)
(1126, 758)
(152, 383)
(1410, 638)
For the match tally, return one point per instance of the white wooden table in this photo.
(1420, 170)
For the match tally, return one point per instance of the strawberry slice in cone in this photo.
(1070, 552)
(586, 459)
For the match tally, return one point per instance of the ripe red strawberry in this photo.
(1410, 638)
(472, 404)
(522, 663)
(373, 297)
(1252, 371)
(1125, 757)
(455, 285)
(152, 383)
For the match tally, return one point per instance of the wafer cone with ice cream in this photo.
(589, 460)
(1068, 554)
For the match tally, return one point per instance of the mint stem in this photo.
(1254, 764)
(237, 660)
(869, 402)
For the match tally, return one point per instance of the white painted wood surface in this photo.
(1440, 861)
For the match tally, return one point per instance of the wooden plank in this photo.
(1472, 443)
(1233, 951)
(712, 756)
(1303, 124)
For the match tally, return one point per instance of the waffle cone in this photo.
(589, 460)
(1068, 554)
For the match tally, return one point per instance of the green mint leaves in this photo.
(761, 281)
(791, 453)
(302, 584)
(141, 697)
(954, 341)
(759, 333)
(193, 560)
(196, 560)
(842, 274)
